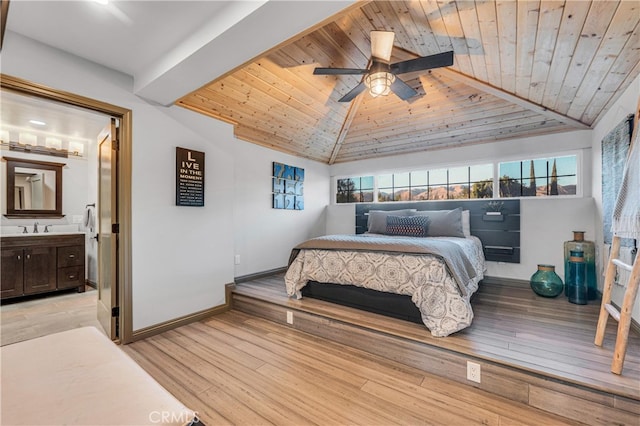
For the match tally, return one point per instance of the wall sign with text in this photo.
(189, 177)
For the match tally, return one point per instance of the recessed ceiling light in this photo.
(37, 122)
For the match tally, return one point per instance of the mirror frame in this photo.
(12, 163)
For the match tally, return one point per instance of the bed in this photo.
(80, 377)
(427, 256)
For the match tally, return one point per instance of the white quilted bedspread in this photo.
(423, 277)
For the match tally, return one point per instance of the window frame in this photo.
(578, 153)
(579, 178)
(334, 186)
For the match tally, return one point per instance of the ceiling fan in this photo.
(380, 76)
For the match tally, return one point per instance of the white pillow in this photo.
(443, 223)
(466, 225)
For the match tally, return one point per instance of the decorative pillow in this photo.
(407, 226)
(377, 222)
(444, 223)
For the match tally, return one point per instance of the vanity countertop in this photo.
(41, 234)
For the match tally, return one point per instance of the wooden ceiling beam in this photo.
(3, 19)
(487, 88)
(344, 130)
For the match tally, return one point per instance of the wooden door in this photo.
(107, 224)
(11, 273)
(39, 269)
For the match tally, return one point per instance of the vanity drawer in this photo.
(72, 276)
(70, 256)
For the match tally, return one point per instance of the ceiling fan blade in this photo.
(438, 60)
(381, 44)
(353, 93)
(338, 71)
(402, 89)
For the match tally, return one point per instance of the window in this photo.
(441, 184)
(395, 187)
(355, 190)
(539, 177)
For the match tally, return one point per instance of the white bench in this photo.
(81, 377)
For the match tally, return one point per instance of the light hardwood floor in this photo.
(43, 316)
(239, 369)
(532, 350)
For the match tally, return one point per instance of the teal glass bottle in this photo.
(589, 250)
(576, 283)
(545, 282)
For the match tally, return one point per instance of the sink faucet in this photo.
(46, 228)
(24, 229)
(35, 227)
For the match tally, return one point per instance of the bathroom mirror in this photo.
(34, 188)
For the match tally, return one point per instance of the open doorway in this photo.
(75, 142)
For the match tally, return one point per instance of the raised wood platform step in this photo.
(533, 350)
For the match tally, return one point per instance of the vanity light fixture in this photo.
(27, 138)
(24, 139)
(76, 148)
(53, 143)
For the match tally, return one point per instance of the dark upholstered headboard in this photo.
(500, 234)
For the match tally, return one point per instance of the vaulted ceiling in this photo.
(520, 69)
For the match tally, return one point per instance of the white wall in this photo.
(545, 223)
(264, 236)
(181, 255)
(623, 106)
(579, 140)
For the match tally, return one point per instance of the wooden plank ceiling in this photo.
(520, 69)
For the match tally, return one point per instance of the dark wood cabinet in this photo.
(12, 273)
(41, 264)
(39, 269)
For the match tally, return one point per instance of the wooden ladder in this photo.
(607, 309)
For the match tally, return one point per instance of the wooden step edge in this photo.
(365, 322)
(486, 359)
(450, 347)
(433, 342)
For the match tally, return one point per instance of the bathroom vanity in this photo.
(41, 263)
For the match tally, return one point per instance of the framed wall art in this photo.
(189, 177)
(287, 187)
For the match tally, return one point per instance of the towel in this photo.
(89, 221)
(626, 213)
(627, 255)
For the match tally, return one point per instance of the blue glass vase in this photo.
(545, 282)
(589, 253)
(576, 288)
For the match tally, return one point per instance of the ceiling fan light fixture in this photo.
(379, 83)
